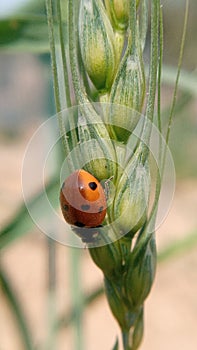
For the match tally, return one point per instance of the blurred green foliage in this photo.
(26, 31)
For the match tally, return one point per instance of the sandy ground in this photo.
(170, 311)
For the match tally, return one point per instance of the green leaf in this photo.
(17, 311)
(116, 345)
(22, 222)
(26, 33)
(179, 247)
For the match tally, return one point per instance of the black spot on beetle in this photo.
(85, 207)
(65, 207)
(92, 185)
(79, 224)
(100, 209)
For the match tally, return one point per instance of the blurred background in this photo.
(39, 285)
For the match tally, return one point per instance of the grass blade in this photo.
(77, 297)
(17, 311)
(22, 224)
(24, 33)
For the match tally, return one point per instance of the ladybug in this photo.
(82, 199)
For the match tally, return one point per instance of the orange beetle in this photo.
(82, 200)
